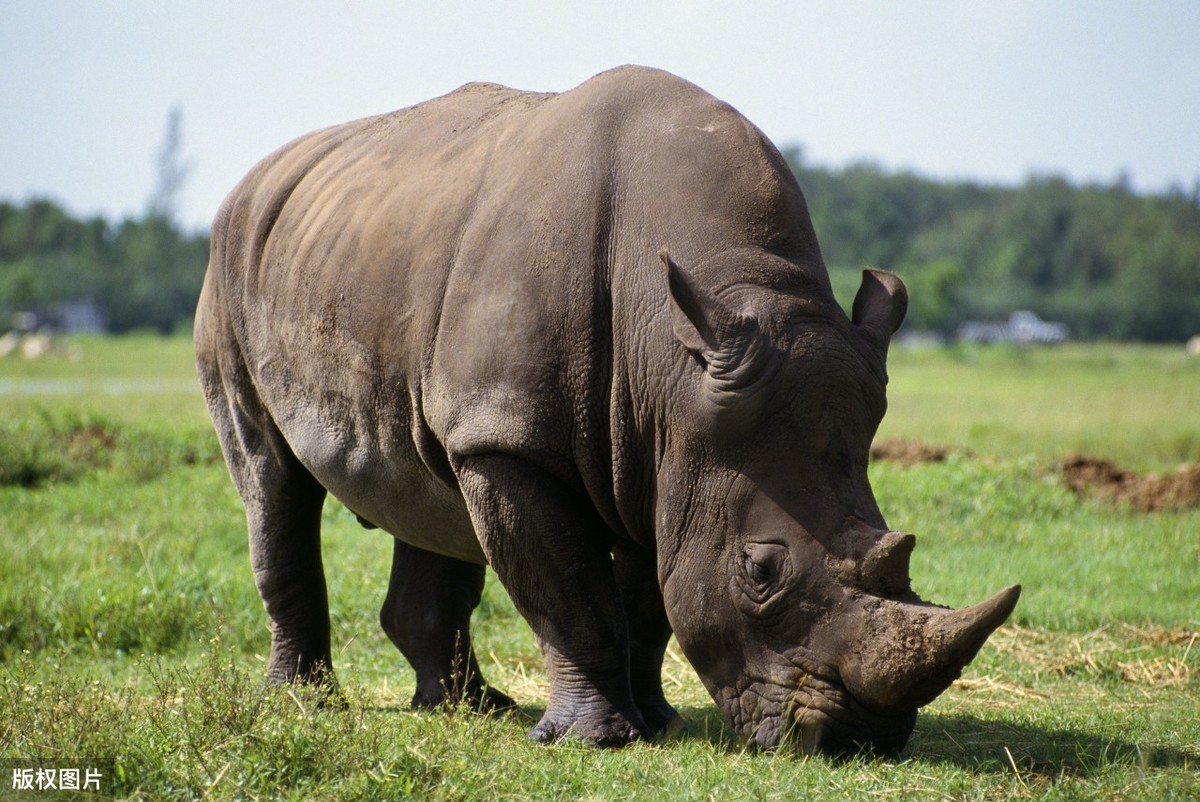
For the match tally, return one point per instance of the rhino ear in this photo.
(697, 313)
(732, 347)
(881, 303)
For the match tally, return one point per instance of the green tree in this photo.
(1109, 262)
(154, 276)
(172, 170)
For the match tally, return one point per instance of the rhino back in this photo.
(478, 274)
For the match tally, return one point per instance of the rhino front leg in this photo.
(551, 553)
(427, 615)
(649, 632)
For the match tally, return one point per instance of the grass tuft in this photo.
(55, 445)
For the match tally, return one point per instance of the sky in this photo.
(994, 91)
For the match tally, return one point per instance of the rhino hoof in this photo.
(610, 735)
(494, 701)
(483, 699)
(663, 722)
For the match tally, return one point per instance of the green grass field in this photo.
(131, 633)
(1136, 405)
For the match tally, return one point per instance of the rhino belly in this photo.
(372, 466)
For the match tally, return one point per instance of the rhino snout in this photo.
(833, 733)
(904, 654)
(814, 735)
(807, 715)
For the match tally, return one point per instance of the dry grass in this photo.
(1150, 656)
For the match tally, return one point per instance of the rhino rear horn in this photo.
(884, 567)
(735, 352)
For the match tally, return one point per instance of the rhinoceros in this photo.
(588, 339)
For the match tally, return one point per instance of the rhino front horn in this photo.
(909, 653)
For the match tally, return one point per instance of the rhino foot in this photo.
(494, 701)
(608, 732)
(480, 699)
(663, 721)
(317, 686)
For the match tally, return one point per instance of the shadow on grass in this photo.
(978, 745)
(985, 746)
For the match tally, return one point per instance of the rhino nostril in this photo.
(812, 737)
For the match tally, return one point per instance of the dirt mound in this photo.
(906, 452)
(1091, 477)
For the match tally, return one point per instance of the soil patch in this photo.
(906, 452)
(1096, 478)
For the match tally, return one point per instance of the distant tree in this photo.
(935, 292)
(1109, 262)
(172, 171)
(154, 276)
(46, 257)
(138, 273)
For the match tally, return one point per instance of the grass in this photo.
(981, 525)
(1135, 405)
(130, 631)
(139, 378)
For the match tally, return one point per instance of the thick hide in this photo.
(586, 338)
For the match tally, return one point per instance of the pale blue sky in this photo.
(989, 90)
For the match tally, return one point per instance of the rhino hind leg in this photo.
(551, 553)
(427, 615)
(285, 552)
(283, 514)
(649, 632)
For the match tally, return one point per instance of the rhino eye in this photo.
(760, 573)
(764, 566)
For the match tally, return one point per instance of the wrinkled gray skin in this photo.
(586, 338)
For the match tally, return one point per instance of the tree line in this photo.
(136, 274)
(1109, 262)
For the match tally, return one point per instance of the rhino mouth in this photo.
(811, 715)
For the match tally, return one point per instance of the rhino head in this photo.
(785, 587)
